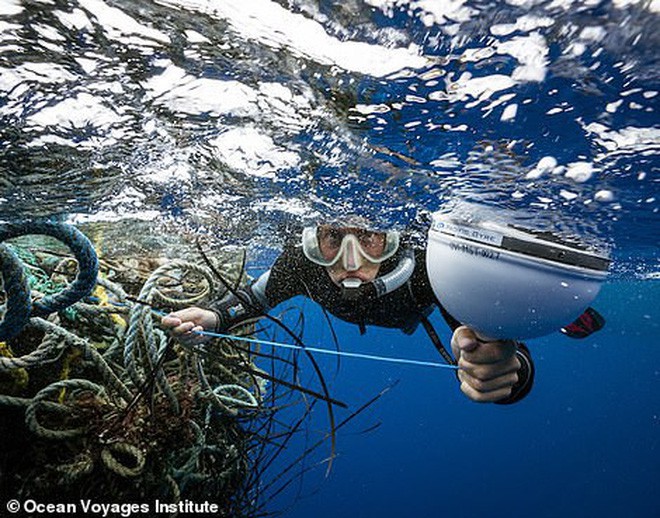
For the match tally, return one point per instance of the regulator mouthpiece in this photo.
(510, 283)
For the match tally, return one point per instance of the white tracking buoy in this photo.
(509, 283)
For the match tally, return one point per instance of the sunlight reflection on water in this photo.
(237, 118)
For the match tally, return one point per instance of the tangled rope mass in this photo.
(88, 368)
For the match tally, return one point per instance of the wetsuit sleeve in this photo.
(525, 377)
(274, 286)
(236, 307)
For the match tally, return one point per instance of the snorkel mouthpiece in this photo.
(510, 283)
(350, 288)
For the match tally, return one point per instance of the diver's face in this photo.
(356, 246)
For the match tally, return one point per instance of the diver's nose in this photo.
(352, 260)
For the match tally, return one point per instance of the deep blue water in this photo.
(585, 442)
(234, 120)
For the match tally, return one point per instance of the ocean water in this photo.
(236, 120)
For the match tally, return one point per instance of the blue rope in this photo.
(331, 351)
(346, 354)
(17, 290)
(281, 345)
(83, 285)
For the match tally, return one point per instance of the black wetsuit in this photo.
(293, 274)
(404, 308)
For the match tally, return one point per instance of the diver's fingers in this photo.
(183, 328)
(488, 371)
(490, 352)
(170, 321)
(192, 335)
(487, 391)
(464, 339)
(506, 380)
(195, 336)
(193, 314)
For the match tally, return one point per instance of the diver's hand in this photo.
(186, 323)
(487, 370)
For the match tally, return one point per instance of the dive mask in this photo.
(326, 245)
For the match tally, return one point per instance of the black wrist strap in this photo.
(525, 376)
(235, 308)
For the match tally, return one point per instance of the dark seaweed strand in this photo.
(361, 409)
(319, 374)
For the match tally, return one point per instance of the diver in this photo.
(367, 278)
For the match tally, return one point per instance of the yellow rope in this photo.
(20, 377)
(101, 293)
(66, 370)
